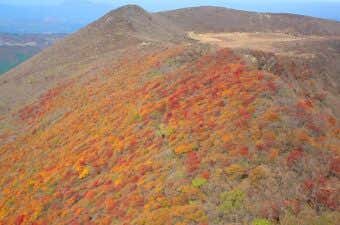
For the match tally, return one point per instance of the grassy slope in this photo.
(172, 135)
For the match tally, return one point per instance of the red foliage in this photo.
(294, 205)
(110, 204)
(335, 165)
(260, 146)
(271, 86)
(192, 161)
(206, 175)
(31, 112)
(145, 169)
(320, 191)
(294, 156)
(244, 151)
(238, 72)
(305, 104)
(249, 100)
(90, 194)
(327, 197)
(260, 76)
(270, 210)
(96, 183)
(244, 114)
(308, 185)
(20, 219)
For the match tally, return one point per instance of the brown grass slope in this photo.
(92, 46)
(217, 19)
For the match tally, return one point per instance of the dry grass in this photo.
(278, 43)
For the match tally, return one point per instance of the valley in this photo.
(15, 48)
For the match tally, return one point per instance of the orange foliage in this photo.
(111, 155)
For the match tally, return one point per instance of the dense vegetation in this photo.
(172, 135)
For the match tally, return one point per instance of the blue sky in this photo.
(318, 8)
(160, 2)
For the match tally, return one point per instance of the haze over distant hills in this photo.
(70, 16)
(64, 18)
(17, 48)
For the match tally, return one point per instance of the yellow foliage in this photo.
(235, 170)
(3, 212)
(274, 153)
(226, 138)
(37, 213)
(258, 173)
(117, 144)
(83, 172)
(117, 182)
(303, 136)
(185, 148)
(271, 116)
(228, 92)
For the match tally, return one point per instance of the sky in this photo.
(159, 2)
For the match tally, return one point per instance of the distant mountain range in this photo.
(64, 18)
(70, 16)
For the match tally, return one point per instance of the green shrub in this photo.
(231, 200)
(164, 130)
(261, 222)
(198, 182)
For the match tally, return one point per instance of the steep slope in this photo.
(152, 128)
(216, 19)
(96, 44)
(310, 64)
(173, 135)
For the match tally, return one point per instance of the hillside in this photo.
(67, 16)
(214, 19)
(133, 120)
(93, 46)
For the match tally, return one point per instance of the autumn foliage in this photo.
(207, 140)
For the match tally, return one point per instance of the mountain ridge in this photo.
(230, 20)
(133, 121)
(101, 37)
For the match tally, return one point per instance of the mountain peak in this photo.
(130, 10)
(134, 21)
(131, 7)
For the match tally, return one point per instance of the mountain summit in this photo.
(134, 21)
